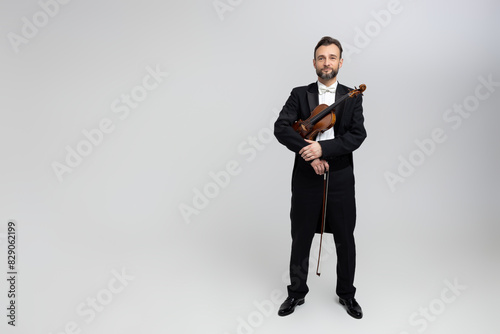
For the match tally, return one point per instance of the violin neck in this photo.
(328, 110)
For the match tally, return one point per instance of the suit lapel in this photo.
(312, 96)
(339, 124)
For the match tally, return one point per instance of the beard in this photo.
(327, 76)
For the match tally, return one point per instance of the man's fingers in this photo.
(310, 152)
(304, 149)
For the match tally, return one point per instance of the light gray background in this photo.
(228, 75)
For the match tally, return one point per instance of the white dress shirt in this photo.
(328, 98)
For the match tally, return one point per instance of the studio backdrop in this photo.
(142, 189)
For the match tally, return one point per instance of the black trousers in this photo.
(305, 214)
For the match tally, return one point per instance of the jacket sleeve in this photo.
(353, 136)
(283, 130)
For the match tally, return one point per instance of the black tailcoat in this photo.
(307, 186)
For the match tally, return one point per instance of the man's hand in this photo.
(320, 166)
(312, 151)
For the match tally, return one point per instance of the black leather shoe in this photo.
(289, 305)
(352, 307)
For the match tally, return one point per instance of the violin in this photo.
(323, 116)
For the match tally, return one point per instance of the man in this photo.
(331, 152)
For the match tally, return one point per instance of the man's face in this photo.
(327, 62)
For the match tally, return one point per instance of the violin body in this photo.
(308, 129)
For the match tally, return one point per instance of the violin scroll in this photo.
(357, 91)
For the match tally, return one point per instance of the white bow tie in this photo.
(324, 89)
